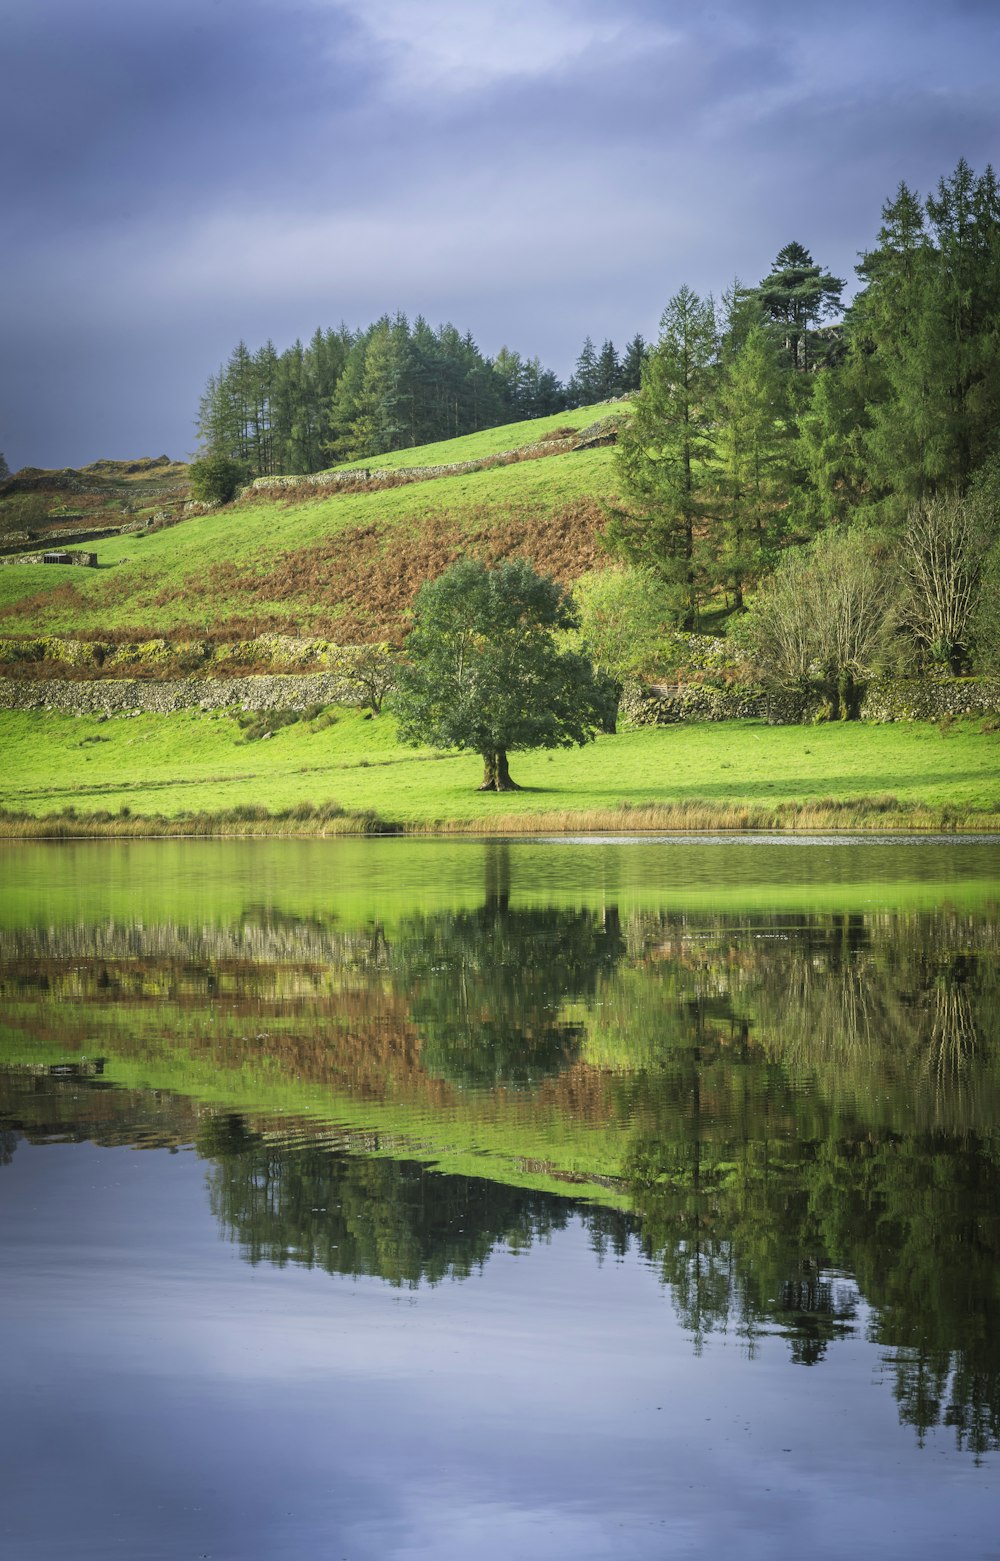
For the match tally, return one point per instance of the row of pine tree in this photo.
(350, 394)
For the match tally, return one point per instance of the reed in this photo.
(307, 819)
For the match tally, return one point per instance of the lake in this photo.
(551, 1199)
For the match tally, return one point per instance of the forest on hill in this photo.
(819, 483)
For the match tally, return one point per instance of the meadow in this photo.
(329, 773)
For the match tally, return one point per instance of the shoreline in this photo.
(876, 815)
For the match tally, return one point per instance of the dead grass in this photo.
(365, 578)
(306, 819)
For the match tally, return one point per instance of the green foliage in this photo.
(832, 427)
(623, 614)
(929, 317)
(753, 448)
(483, 670)
(795, 296)
(215, 479)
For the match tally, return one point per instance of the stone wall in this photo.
(885, 699)
(919, 699)
(132, 696)
(661, 704)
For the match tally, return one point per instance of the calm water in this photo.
(554, 1199)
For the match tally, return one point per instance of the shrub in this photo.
(215, 478)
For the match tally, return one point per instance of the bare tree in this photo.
(823, 616)
(944, 548)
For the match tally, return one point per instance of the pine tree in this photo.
(930, 316)
(830, 450)
(585, 376)
(663, 449)
(607, 375)
(630, 376)
(796, 295)
(753, 441)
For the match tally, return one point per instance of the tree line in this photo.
(350, 394)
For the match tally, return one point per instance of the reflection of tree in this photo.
(908, 1009)
(392, 1218)
(486, 987)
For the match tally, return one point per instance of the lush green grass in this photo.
(489, 441)
(194, 761)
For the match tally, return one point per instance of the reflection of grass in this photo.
(374, 885)
(726, 775)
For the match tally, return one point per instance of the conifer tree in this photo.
(663, 449)
(634, 357)
(753, 442)
(607, 374)
(796, 295)
(930, 315)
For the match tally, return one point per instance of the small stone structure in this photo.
(63, 556)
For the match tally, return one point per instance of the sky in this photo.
(176, 175)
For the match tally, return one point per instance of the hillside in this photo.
(39, 508)
(343, 563)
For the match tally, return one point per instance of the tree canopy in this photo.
(484, 670)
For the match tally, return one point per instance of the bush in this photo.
(215, 479)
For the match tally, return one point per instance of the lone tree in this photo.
(483, 670)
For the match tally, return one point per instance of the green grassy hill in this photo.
(342, 564)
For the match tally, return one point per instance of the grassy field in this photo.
(342, 565)
(735, 775)
(488, 441)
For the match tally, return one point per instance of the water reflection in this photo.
(792, 1118)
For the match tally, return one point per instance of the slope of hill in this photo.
(343, 564)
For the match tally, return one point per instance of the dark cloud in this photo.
(177, 176)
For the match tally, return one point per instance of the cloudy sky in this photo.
(178, 174)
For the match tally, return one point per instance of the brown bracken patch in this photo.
(366, 578)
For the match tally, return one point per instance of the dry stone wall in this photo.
(885, 699)
(134, 696)
(919, 699)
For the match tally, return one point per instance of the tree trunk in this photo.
(496, 775)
